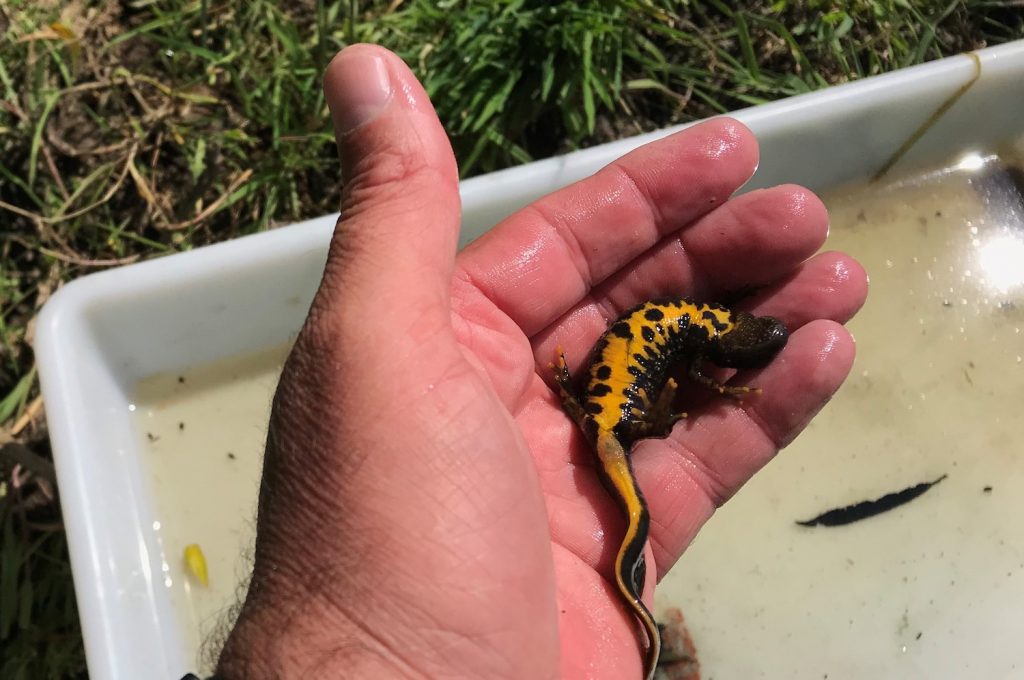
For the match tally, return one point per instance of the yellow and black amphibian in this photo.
(629, 395)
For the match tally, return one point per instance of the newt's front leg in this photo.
(710, 383)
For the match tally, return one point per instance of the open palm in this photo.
(427, 509)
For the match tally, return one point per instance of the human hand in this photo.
(427, 509)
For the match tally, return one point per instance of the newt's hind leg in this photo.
(712, 384)
(659, 418)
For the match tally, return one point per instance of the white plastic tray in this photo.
(97, 337)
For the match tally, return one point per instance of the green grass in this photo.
(136, 129)
(38, 618)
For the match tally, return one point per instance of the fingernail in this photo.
(358, 88)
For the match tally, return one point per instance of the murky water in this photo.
(203, 433)
(932, 589)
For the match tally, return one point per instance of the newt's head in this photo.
(751, 343)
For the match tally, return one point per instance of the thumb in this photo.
(395, 241)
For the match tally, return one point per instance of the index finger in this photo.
(578, 236)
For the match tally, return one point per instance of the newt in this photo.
(630, 393)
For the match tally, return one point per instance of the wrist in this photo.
(303, 640)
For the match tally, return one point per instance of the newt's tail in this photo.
(653, 639)
(632, 597)
(630, 566)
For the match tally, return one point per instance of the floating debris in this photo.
(865, 509)
(678, 659)
(195, 562)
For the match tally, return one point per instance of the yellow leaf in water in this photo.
(195, 561)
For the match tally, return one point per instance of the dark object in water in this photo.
(678, 660)
(865, 509)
